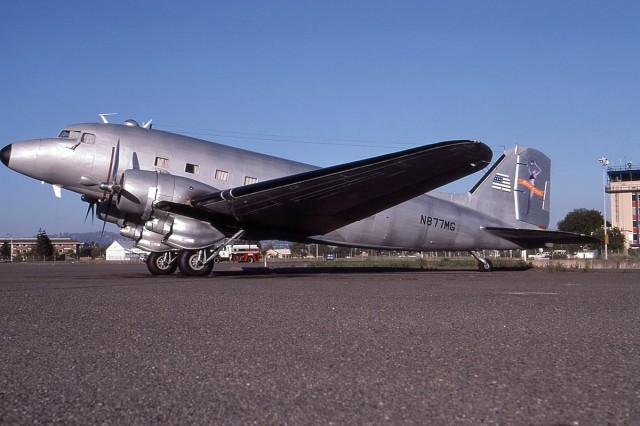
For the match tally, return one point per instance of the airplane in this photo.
(183, 199)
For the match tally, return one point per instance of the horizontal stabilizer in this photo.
(535, 238)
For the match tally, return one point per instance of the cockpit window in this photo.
(88, 138)
(70, 134)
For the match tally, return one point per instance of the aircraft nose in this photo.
(5, 155)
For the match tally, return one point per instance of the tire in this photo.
(163, 263)
(250, 259)
(485, 267)
(191, 264)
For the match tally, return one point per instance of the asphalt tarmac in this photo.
(110, 344)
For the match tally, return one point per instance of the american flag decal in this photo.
(501, 182)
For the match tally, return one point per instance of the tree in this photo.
(582, 221)
(5, 252)
(590, 222)
(299, 249)
(616, 238)
(43, 247)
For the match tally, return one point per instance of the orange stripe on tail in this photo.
(532, 188)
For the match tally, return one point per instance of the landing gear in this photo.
(164, 263)
(192, 263)
(484, 264)
(195, 263)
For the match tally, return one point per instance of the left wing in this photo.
(322, 200)
(535, 238)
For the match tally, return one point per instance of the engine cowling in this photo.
(141, 189)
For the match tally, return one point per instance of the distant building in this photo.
(623, 187)
(124, 251)
(23, 246)
(283, 253)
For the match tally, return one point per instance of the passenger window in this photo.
(163, 163)
(192, 168)
(222, 175)
(248, 180)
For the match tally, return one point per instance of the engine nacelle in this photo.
(109, 213)
(141, 188)
(188, 233)
(173, 232)
(145, 239)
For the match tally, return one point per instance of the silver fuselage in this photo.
(433, 221)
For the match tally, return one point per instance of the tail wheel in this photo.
(194, 263)
(164, 263)
(485, 266)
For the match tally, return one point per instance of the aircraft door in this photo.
(381, 228)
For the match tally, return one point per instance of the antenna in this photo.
(104, 116)
(147, 125)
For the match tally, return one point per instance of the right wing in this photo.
(322, 200)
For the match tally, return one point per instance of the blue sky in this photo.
(344, 79)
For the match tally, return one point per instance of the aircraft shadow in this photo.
(285, 270)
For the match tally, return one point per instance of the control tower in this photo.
(623, 187)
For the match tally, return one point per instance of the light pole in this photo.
(604, 163)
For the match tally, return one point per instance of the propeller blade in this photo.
(90, 209)
(111, 185)
(104, 223)
(116, 160)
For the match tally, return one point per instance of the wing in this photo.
(534, 238)
(319, 201)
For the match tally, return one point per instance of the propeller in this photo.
(91, 209)
(111, 186)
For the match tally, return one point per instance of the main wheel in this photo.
(485, 267)
(164, 263)
(193, 263)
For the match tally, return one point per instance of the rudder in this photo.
(516, 188)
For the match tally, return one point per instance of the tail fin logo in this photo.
(531, 187)
(501, 182)
(534, 171)
(516, 189)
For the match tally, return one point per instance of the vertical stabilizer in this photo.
(516, 189)
(533, 187)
